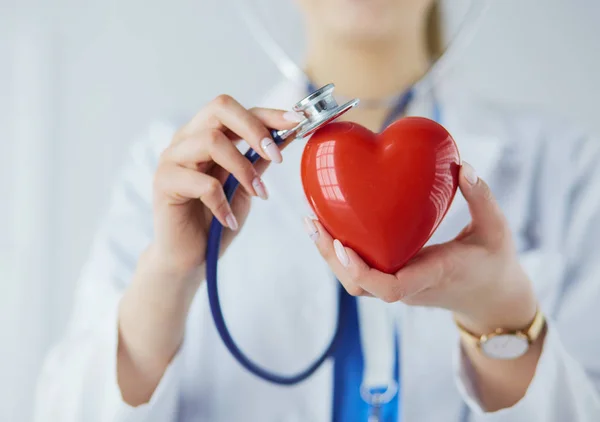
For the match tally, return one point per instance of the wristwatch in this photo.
(505, 344)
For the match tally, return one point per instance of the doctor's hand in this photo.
(188, 192)
(188, 185)
(477, 275)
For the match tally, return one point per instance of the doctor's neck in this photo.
(368, 69)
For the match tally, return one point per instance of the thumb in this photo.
(488, 221)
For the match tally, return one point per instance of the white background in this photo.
(79, 80)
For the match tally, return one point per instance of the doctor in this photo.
(517, 253)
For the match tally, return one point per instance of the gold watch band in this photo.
(531, 332)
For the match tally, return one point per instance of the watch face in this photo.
(505, 346)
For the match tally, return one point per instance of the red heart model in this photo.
(383, 195)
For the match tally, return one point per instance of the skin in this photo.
(371, 49)
(187, 193)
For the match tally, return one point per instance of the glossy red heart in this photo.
(383, 195)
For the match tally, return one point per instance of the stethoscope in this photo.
(319, 108)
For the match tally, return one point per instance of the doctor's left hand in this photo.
(477, 275)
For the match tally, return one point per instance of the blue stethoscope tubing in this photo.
(212, 256)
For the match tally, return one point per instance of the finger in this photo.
(369, 279)
(212, 144)
(431, 267)
(428, 268)
(274, 119)
(488, 222)
(182, 185)
(386, 287)
(338, 262)
(277, 119)
(224, 112)
(275, 116)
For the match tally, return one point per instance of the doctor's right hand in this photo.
(188, 185)
(188, 192)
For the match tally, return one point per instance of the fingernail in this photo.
(470, 173)
(341, 253)
(271, 149)
(311, 229)
(231, 221)
(260, 188)
(292, 116)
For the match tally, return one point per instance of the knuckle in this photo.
(223, 101)
(393, 296)
(248, 170)
(395, 293)
(353, 278)
(262, 132)
(222, 208)
(354, 290)
(212, 138)
(356, 275)
(257, 134)
(257, 127)
(213, 121)
(447, 267)
(411, 300)
(212, 189)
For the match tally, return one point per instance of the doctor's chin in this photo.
(299, 210)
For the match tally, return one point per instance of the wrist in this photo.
(162, 267)
(510, 305)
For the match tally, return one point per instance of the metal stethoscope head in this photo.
(318, 108)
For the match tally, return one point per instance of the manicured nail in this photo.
(231, 221)
(470, 173)
(292, 116)
(341, 253)
(311, 229)
(271, 149)
(259, 188)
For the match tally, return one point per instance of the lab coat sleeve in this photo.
(78, 382)
(566, 384)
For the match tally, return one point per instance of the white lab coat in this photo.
(281, 308)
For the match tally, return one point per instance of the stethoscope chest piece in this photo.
(318, 108)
